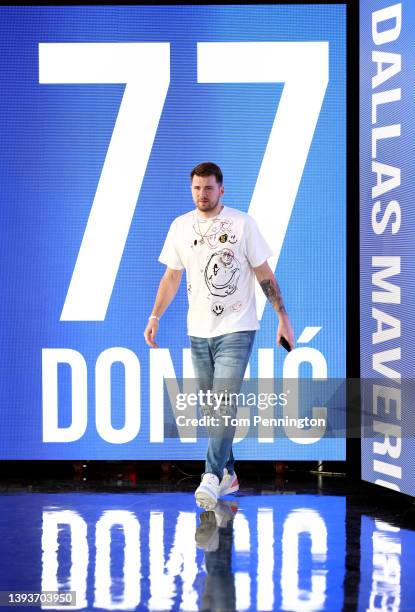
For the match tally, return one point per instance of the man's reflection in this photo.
(215, 536)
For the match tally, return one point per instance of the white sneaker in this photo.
(207, 534)
(207, 492)
(228, 484)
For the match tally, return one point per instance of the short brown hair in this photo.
(207, 169)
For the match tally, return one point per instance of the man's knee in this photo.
(227, 406)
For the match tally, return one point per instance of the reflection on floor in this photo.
(158, 551)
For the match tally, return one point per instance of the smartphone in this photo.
(285, 344)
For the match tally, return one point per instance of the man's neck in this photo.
(209, 214)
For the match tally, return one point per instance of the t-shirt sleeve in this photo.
(169, 254)
(257, 250)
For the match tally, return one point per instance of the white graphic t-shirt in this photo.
(218, 255)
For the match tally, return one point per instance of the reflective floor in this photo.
(262, 549)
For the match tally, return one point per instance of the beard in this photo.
(208, 205)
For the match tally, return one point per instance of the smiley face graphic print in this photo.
(219, 255)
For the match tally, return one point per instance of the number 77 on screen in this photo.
(144, 68)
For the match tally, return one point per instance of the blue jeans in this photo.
(219, 365)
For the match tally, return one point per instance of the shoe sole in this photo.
(205, 501)
(203, 540)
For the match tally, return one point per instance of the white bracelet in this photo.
(154, 317)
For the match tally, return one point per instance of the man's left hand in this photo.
(285, 329)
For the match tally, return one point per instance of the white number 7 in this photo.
(145, 69)
(303, 67)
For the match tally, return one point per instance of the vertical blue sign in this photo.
(387, 146)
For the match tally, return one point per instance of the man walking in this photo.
(223, 252)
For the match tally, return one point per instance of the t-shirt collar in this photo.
(203, 220)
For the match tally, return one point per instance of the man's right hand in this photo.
(150, 332)
(169, 284)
